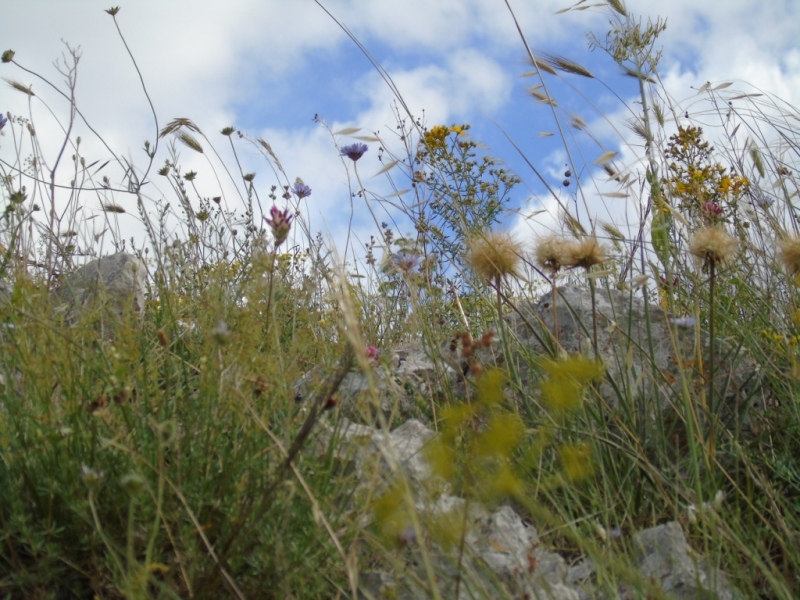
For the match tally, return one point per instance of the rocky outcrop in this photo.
(114, 285)
(647, 354)
(652, 359)
(402, 384)
(502, 554)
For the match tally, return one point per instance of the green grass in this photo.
(152, 461)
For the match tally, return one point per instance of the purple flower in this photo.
(301, 190)
(406, 262)
(713, 209)
(3, 121)
(764, 202)
(353, 151)
(372, 352)
(280, 222)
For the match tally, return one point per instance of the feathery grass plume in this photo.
(189, 141)
(618, 6)
(553, 253)
(541, 64)
(586, 253)
(19, 87)
(713, 245)
(494, 255)
(543, 98)
(567, 65)
(790, 254)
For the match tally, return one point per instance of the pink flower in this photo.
(280, 222)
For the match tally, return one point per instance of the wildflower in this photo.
(3, 121)
(372, 352)
(407, 536)
(712, 245)
(576, 461)
(790, 254)
(764, 202)
(683, 321)
(280, 222)
(554, 252)
(91, 477)
(133, 483)
(494, 255)
(586, 253)
(301, 190)
(354, 151)
(712, 209)
(221, 333)
(406, 262)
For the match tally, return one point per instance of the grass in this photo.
(170, 459)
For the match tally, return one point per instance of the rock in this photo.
(502, 554)
(397, 388)
(115, 283)
(644, 352)
(666, 559)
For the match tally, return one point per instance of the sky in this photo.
(267, 67)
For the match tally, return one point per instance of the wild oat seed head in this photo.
(790, 254)
(713, 244)
(553, 253)
(587, 253)
(494, 255)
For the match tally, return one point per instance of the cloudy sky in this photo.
(267, 67)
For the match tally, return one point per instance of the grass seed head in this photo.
(790, 255)
(493, 255)
(587, 253)
(554, 252)
(713, 245)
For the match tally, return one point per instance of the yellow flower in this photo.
(576, 460)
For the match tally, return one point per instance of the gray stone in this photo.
(401, 385)
(502, 554)
(644, 351)
(666, 559)
(115, 284)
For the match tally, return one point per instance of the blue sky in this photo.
(267, 66)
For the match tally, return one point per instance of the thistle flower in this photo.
(280, 223)
(790, 254)
(494, 255)
(406, 262)
(712, 245)
(301, 190)
(553, 253)
(354, 151)
(585, 254)
(712, 210)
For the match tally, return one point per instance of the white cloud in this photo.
(456, 59)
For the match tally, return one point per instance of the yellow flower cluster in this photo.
(436, 136)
